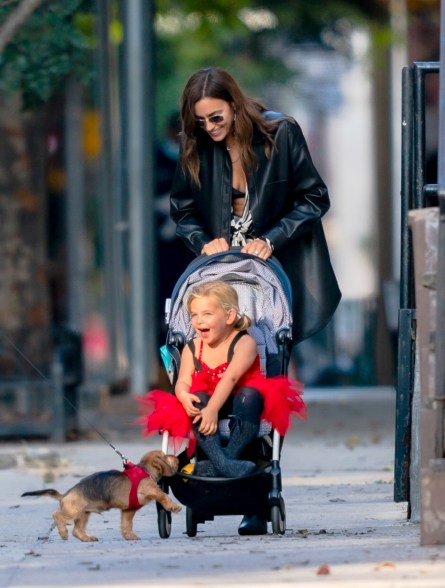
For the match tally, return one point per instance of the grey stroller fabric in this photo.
(261, 296)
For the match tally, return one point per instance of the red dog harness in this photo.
(135, 474)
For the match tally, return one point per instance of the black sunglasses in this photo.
(213, 120)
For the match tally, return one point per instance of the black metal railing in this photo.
(415, 193)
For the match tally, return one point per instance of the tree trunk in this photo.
(24, 298)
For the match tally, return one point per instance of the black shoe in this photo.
(205, 469)
(252, 525)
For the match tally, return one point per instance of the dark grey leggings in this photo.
(246, 404)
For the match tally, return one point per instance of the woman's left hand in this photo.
(257, 247)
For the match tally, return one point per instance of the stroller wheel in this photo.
(191, 523)
(278, 518)
(164, 523)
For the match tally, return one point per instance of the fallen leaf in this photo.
(389, 565)
(49, 477)
(323, 570)
(352, 441)
(388, 468)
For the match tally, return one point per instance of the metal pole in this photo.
(139, 180)
(406, 277)
(398, 58)
(441, 160)
(405, 361)
(440, 304)
(110, 190)
(419, 134)
(74, 215)
(59, 425)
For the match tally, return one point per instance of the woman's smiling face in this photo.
(215, 116)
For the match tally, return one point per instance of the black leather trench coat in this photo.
(287, 200)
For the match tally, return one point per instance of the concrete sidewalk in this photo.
(343, 528)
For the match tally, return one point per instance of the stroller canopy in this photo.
(263, 289)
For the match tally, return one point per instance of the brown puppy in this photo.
(113, 489)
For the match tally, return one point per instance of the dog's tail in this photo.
(48, 492)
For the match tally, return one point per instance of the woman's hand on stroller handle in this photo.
(259, 247)
(216, 246)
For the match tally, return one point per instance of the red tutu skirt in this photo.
(162, 411)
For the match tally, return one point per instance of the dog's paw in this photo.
(176, 507)
(90, 538)
(131, 537)
(85, 538)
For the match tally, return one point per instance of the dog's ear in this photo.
(153, 462)
(159, 464)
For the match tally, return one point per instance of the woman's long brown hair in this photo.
(213, 82)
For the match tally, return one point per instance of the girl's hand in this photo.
(209, 421)
(215, 246)
(187, 401)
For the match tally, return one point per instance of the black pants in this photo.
(247, 404)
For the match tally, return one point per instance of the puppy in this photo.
(129, 490)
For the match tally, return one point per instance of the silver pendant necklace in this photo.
(232, 160)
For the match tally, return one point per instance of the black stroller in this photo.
(264, 294)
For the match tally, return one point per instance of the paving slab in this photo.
(343, 527)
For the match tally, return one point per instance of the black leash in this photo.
(46, 379)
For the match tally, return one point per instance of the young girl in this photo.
(220, 377)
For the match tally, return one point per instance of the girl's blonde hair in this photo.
(226, 296)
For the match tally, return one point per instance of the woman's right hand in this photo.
(215, 246)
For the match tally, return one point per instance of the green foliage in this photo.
(196, 33)
(58, 40)
(55, 42)
(192, 34)
(306, 20)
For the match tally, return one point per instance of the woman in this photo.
(246, 178)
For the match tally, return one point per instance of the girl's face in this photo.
(210, 321)
(215, 116)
